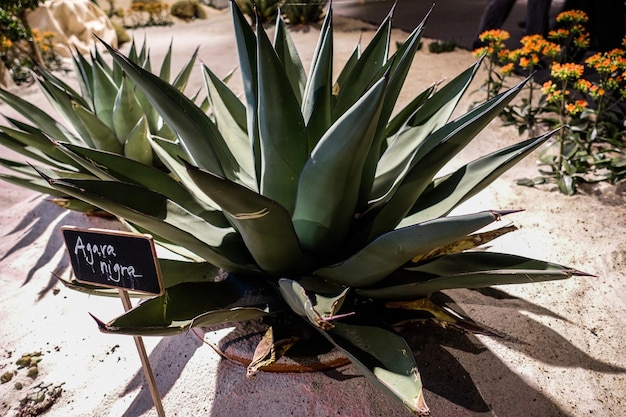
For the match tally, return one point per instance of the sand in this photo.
(563, 354)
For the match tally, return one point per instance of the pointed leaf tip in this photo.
(101, 325)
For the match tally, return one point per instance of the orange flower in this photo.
(494, 35)
(572, 16)
(596, 91)
(507, 69)
(583, 85)
(567, 71)
(576, 107)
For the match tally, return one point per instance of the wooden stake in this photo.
(145, 362)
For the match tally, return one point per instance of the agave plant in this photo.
(314, 192)
(262, 11)
(107, 114)
(303, 11)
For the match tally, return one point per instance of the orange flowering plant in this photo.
(496, 55)
(584, 95)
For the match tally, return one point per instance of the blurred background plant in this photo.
(188, 10)
(107, 113)
(263, 10)
(18, 61)
(303, 12)
(295, 12)
(22, 48)
(147, 13)
(581, 91)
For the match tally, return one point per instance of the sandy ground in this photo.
(563, 354)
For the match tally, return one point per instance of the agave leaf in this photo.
(466, 270)
(320, 310)
(347, 68)
(127, 110)
(399, 64)
(176, 272)
(35, 146)
(281, 128)
(62, 102)
(108, 166)
(392, 250)
(19, 167)
(195, 130)
(101, 135)
(104, 93)
(317, 99)
(98, 59)
(182, 78)
(34, 184)
(137, 145)
(72, 284)
(400, 119)
(442, 104)
(70, 203)
(385, 359)
(85, 79)
(427, 118)
(268, 351)
(334, 169)
(367, 69)
(466, 243)
(264, 225)
(448, 192)
(288, 55)
(186, 305)
(246, 47)
(166, 66)
(397, 67)
(230, 118)
(172, 155)
(444, 316)
(432, 154)
(38, 117)
(164, 218)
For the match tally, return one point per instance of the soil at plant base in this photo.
(561, 353)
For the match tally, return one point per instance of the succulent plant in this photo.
(107, 113)
(260, 10)
(314, 194)
(303, 11)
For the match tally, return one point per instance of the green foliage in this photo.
(106, 114)
(439, 47)
(303, 11)
(586, 99)
(331, 211)
(262, 10)
(188, 9)
(23, 49)
(146, 13)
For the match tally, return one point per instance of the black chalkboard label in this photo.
(114, 259)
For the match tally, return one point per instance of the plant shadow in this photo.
(168, 359)
(461, 375)
(36, 223)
